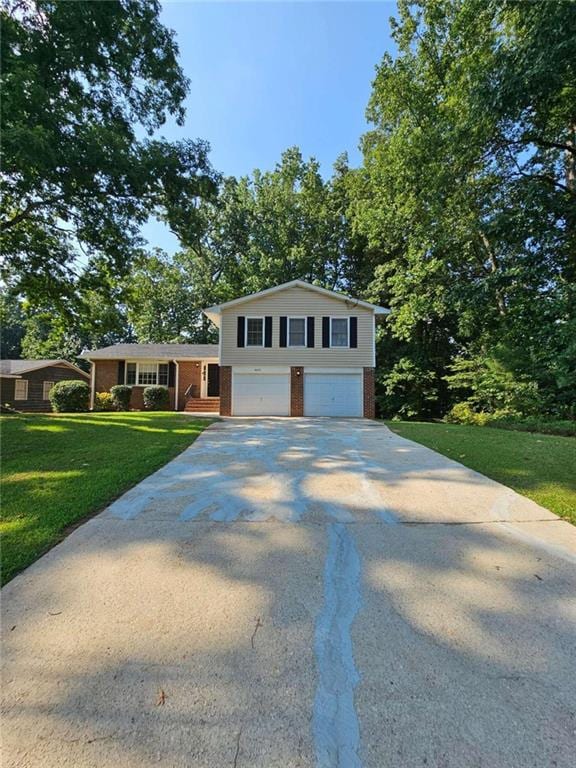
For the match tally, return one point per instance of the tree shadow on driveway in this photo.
(154, 639)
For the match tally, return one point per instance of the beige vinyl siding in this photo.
(296, 302)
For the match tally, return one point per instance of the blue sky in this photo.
(269, 75)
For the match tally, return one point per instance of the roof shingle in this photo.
(152, 351)
(23, 366)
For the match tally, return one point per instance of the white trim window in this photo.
(146, 374)
(131, 374)
(254, 332)
(340, 332)
(46, 387)
(297, 327)
(21, 389)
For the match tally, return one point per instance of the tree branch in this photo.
(25, 214)
(552, 144)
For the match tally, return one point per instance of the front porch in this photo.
(199, 386)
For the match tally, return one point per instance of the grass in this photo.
(59, 469)
(541, 467)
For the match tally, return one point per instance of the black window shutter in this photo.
(267, 331)
(310, 332)
(325, 331)
(121, 369)
(353, 332)
(283, 331)
(240, 331)
(171, 374)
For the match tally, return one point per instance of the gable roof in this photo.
(213, 313)
(19, 367)
(152, 352)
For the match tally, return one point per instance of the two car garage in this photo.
(326, 392)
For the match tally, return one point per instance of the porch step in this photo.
(203, 404)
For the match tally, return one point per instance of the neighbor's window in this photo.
(130, 373)
(20, 389)
(339, 332)
(46, 387)
(254, 331)
(297, 332)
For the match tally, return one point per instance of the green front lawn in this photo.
(541, 467)
(59, 469)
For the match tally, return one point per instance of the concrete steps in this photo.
(203, 405)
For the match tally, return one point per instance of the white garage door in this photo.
(260, 394)
(332, 394)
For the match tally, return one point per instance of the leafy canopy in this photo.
(467, 193)
(85, 86)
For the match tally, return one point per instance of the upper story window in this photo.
(339, 332)
(254, 331)
(297, 332)
(146, 374)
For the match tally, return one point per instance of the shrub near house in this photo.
(121, 394)
(103, 401)
(70, 396)
(156, 398)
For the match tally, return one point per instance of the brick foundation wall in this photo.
(369, 394)
(189, 373)
(137, 398)
(226, 390)
(297, 391)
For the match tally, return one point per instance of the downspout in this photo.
(176, 382)
(92, 384)
(374, 340)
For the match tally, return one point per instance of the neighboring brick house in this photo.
(25, 384)
(292, 350)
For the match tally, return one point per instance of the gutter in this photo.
(176, 383)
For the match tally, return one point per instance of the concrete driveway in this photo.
(301, 592)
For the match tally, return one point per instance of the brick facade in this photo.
(189, 374)
(225, 390)
(369, 394)
(106, 376)
(297, 390)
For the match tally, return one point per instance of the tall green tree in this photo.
(467, 193)
(86, 85)
(162, 303)
(272, 227)
(98, 319)
(11, 326)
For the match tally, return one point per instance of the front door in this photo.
(213, 384)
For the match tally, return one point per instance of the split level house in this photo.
(25, 384)
(291, 350)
